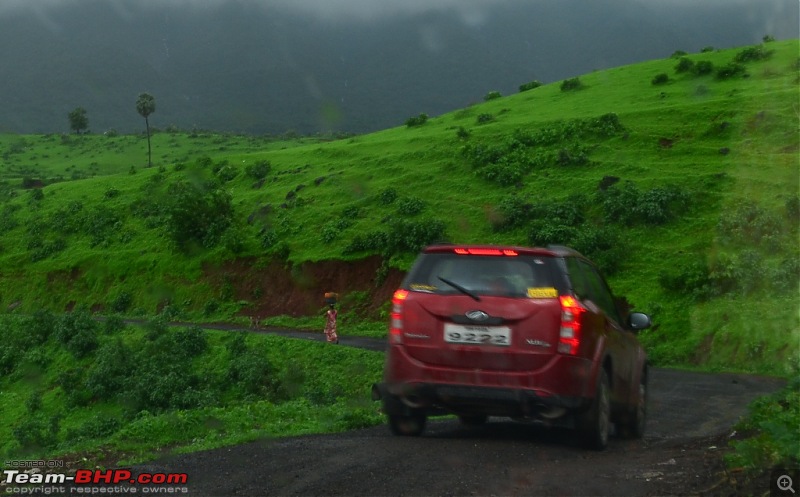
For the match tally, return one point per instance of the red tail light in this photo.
(396, 323)
(569, 337)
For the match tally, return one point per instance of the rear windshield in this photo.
(520, 276)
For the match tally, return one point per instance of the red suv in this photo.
(528, 333)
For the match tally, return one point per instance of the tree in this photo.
(146, 105)
(78, 122)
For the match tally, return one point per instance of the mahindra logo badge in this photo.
(477, 315)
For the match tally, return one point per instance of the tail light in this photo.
(396, 323)
(569, 337)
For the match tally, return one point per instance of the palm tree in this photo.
(146, 105)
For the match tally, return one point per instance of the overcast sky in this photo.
(471, 11)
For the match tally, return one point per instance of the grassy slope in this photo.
(723, 333)
(424, 162)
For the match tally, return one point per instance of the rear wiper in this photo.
(461, 289)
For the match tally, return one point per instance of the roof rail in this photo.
(563, 249)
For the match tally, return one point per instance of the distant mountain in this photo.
(244, 67)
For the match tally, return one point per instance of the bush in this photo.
(111, 193)
(774, 419)
(417, 121)
(462, 133)
(730, 70)
(685, 64)
(77, 331)
(492, 95)
(529, 86)
(660, 79)
(191, 341)
(410, 206)
(121, 302)
(628, 205)
(571, 84)
(484, 118)
(402, 237)
(109, 372)
(41, 325)
(753, 54)
(36, 433)
(688, 278)
(703, 67)
(749, 224)
(259, 170)
(198, 214)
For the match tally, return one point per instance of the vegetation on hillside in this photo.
(684, 191)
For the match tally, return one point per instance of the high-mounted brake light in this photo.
(396, 323)
(569, 336)
(482, 251)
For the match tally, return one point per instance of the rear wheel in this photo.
(407, 425)
(633, 425)
(595, 424)
(473, 419)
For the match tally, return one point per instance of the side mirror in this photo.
(638, 321)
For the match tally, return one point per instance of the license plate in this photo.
(477, 335)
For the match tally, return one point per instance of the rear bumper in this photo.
(409, 385)
(435, 399)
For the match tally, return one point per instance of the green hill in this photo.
(679, 176)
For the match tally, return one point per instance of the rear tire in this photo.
(409, 426)
(594, 425)
(633, 426)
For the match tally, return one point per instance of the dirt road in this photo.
(690, 422)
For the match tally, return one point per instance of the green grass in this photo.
(243, 387)
(99, 232)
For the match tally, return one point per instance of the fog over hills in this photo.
(269, 66)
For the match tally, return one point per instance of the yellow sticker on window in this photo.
(423, 288)
(542, 293)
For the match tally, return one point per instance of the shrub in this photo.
(786, 276)
(410, 206)
(660, 79)
(191, 341)
(36, 433)
(259, 170)
(753, 54)
(96, 427)
(41, 325)
(688, 278)
(685, 64)
(462, 133)
(703, 67)
(77, 331)
(417, 121)
(121, 302)
(571, 84)
(492, 95)
(197, 214)
(751, 224)
(402, 237)
(529, 86)
(627, 205)
(109, 372)
(730, 70)
(484, 118)
(678, 54)
(111, 193)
